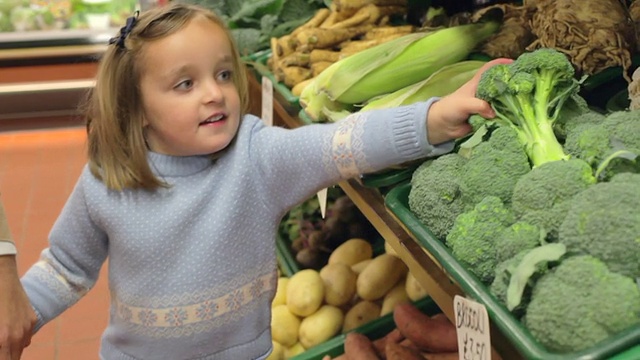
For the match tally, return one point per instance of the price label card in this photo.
(472, 327)
(267, 101)
(322, 199)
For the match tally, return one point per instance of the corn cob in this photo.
(390, 66)
(440, 83)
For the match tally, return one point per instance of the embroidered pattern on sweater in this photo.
(69, 292)
(346, 150)
(199, 317)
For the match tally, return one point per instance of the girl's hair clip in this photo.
(125, 31)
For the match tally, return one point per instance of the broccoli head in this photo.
(594, 142)
(579, 303)
(603, 221)
(538, 195)
(473, 234)
(435, 196)
(501, 159)
(527, 95)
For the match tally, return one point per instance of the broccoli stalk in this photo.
(527, 95)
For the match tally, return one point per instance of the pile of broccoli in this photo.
(545, 209)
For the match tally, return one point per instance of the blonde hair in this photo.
(114, 109)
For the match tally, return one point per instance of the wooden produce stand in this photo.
(370, 202)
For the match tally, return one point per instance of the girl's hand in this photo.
(17, 318)
(447, 118)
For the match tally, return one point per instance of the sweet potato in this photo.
(381, 343)
(396, 351)
(441, 356)
(428, 334)
(359, 347)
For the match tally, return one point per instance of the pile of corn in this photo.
(408, 64)
(345, 28)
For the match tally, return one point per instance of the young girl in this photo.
(183, 193)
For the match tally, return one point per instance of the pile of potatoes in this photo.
(345, 28)
(353, 289)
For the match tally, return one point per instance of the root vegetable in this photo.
(395, 351)
(321, 55)
(294, 59)
(359, 347)
(314, 38)
(318, 18)
(385, 31)
(318, 67)
(293, 75)
(396, 295)
(514, 34)
(592, 41)
(297, 89)
(360, 314)
(380, 276)
(426, 333)
(346, 5)
(442, 356)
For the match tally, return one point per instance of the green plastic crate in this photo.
(373, 330)
(397, 203)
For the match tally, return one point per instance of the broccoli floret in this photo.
(538, 195)
(473, 234)
(603, 221)
(568, 123)
(574, 108)
(527, 95)
(596, 141)
(500, 159)
(516, 238)
(580, 303)
(435, 196)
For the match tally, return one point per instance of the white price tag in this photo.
(472, 327)
(267, 101)
(322, 199)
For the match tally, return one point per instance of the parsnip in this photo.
(315, 38)
(384, 31)
(318, 67)
(293, 75)
(317, 19)
(294, 59)
(345, 5)
(318, 55)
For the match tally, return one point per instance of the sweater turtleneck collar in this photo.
(168, 165)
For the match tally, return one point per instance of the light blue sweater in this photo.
(192, 268)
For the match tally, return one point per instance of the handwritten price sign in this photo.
(472, 327)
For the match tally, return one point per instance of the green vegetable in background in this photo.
(254, 22)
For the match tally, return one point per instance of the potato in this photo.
(277, 353)
(380, 276)
(389, 250)
(284, 325)
(339, 283)
(294, 350)
(414, 290)
(320, 326)
(351, 252)
(361, 313)
(305, 292)
(357, 268)
(396, 295)
(280, 297)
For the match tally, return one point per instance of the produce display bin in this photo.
(397, 203)
(260, 67)
(304, 117)
(373, 330)
(631, 354)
